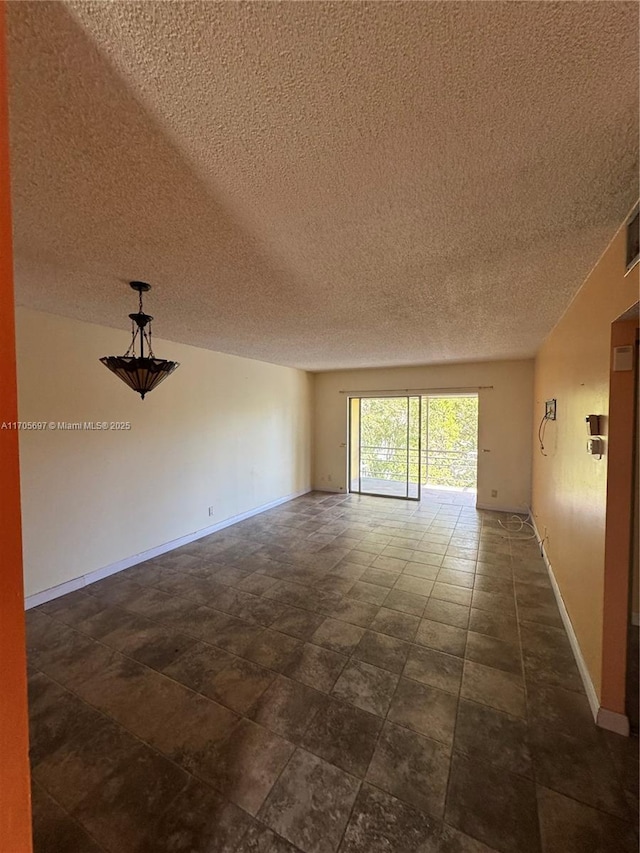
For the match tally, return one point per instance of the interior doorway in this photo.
(401, 445)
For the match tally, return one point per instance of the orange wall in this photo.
(15, 808)
(619, 534)
(570, 486)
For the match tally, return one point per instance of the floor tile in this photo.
(367, 687)
(57, 717)
(287, 707)
(239, 684)
(338, 636)
(502, 626)
(424, 709)
(260, 839)
(454, 841)
(73, 658)
(425, 571)
(381, 823)
(310, 803)
(571, 827)
(548, 658)
(343, 735)
(564, 711)
(389, 564)
(74, 607)
(369, 592)
(54, 830)
(417, 586)
(493, 652)
(402, 553)
(86, 756)
(494, 687)
(458, 564)
(189, 736)
(355, 612)
(230, 633)
(316, 667)
(396, 624)
(257, 583)
(412, 768)
(448, 592)
(499, 602)
(447, 612)
(122, 811)
(454, 578)
(379, 577)
(495, 807)
(156, 645)
(198, 665)
(443, 638)
(486, 567)
(198, 819)
(434, 668)
(339, 585)
(126, 690)
(546, 614)
(492, 583)
(578, 768)
(298, 623)
(406, 602)
(245, 764)
(273, 650)
(382, 651)
(492, 736)
(107, 621)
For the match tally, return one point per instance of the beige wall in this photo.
(223, 431)
(569, 486)
(504, 421)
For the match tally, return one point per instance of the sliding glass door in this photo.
(385, 446)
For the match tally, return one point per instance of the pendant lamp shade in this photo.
(141, 373)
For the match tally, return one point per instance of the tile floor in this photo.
(339, 673)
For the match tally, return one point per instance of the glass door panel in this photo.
(385, 446)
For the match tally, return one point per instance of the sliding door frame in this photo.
(350, 447)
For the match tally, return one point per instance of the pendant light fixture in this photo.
(144, 372)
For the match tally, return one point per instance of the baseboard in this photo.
(613, 722)
(119, 566)
(590, 690)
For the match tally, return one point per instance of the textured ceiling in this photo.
(323, 185)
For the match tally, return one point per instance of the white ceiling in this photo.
(323, 185)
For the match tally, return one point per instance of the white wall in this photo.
(504, 422)
(223, 431)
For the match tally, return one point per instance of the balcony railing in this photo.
(454, 468)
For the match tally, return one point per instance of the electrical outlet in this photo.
(211, 512)
(550, 410)
(494, 493)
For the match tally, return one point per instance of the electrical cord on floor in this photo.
(523, 523)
